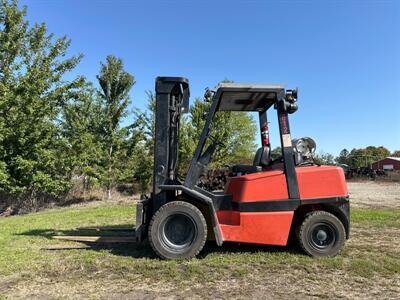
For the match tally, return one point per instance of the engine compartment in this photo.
(313, 181)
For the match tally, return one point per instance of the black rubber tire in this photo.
(172, 222)
(316, 226)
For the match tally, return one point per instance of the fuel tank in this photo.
(313, 181)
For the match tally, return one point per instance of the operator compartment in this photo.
(313, 181)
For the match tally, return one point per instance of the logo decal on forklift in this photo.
(283, 119)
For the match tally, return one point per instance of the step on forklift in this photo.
(264, 203)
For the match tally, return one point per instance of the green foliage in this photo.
(142, 145)
(236, 130)
(324, 158)
(188, 138)
(395, 153)
(276, 152)
(81, 127)
(32, 96)
(53, 130)
(362, 157)
(115, 85)
(343, 157)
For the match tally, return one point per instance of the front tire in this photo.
(178, 230)
(321, 234)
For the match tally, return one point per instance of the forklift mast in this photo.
(172, 100)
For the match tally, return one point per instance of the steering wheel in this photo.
(279, 159)
(215, 141)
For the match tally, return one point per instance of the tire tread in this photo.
(309, 218)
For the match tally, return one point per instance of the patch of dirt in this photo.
(371, 194)
(8, 282)
(373, 238)
(287, 283)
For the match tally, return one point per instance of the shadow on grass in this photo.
(143, 249)
(77, 200)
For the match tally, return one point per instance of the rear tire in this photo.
(178, 230)
(321, 234)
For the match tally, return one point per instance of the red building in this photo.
(387, 164)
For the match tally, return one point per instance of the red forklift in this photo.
(263, 203)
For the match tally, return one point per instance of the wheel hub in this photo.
(321, 235)
(178, 232)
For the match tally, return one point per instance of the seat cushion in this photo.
(262, 157)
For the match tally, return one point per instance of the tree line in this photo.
(364, 157)
(355, 158)
(55, 132)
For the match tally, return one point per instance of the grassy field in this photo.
(368, 267)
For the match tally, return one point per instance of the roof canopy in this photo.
(246, 97)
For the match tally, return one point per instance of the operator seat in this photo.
(262, 159)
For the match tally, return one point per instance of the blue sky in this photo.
(344, 56)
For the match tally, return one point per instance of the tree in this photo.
(395, 153)
(81, 127)
(115, 84)
(236, 130)
(364, 157)
(188, 138)
(33, 92)
(276, 152)
(324, 158)
(139, 160)
(343, 157)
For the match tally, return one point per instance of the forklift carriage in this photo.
(263, 203)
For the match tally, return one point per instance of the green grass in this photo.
(23, 239)
(376, 217)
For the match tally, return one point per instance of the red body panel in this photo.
(261, 186)
(321, 182)
(270, 228)
(273, 227)
(313, 181)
